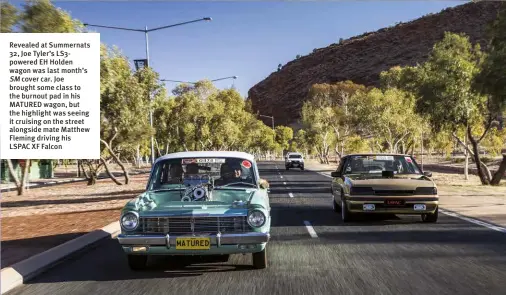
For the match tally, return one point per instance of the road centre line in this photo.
(310, 229)
(291, 195)
(284, 183)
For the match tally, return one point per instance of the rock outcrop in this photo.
(362, 58)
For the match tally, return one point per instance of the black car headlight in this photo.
(130, 221)
(426, 191)
(256, 218)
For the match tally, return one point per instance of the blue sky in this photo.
(247, 39)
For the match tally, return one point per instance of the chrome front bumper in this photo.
(216, 239)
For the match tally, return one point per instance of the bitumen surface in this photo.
(311, 252)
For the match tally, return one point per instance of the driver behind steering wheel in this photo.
(230, 172)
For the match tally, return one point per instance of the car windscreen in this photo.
(378, 163)
(187, 172)
(295, 156)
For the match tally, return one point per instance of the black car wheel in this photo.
(137, 262)
(430, 217)
(260, 259)
(346, 215)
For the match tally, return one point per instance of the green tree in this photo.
(335, 98)
(387, 116)
(491, 81)
(38, 16)
(8, 17)
(284, 135)
(41, 16)
(123, 111)
(446, 96)
(316, 117)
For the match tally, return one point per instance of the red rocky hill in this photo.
(362, 58)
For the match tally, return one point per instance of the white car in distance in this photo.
(293, 160)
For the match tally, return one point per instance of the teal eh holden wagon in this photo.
(199, 203)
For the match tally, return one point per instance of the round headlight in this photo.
(256, 218)
(130, 221)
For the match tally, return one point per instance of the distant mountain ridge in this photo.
(362, 58)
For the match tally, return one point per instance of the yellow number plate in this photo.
(193, 243)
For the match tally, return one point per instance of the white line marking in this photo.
(284, 183)
(310, 229)
(281, 176)
(291, 195)
(475, 221)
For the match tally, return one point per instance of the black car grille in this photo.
(394, 192)
(183, 225)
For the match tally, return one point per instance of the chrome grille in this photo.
(189, 225)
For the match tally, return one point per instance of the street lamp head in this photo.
(85, 24)
(208, 19)
(234, 77)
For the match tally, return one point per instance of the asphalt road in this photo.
(311, 252)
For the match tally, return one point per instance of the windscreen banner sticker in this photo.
(408, 159)
(203, 160)
(246, 164)
(384, 158)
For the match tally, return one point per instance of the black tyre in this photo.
(431, 217)
(260, 259)
(137, 262)
(346, 215)
(336, 207)
(287, 168)
(302, 168)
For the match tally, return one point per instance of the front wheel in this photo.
(137, 262)
(302, 168)
(430, 217)
(346, 215)
(260, 259)
(287, 168)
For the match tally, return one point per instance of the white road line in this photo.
(284, 183)
(281, 176)
(310, 229)
(291, 195)
(475, 221)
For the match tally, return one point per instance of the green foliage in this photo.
(8, 17)
(495, 141)
(388, 115)
(492, 78)
(284, 135)
(41, 16)
(123, 105)
(444, 84)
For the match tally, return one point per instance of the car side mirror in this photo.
(335, 174)
(264, 184)
(427, 173)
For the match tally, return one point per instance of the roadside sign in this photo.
(140, 63)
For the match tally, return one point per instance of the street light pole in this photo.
(147, 61)
(272, 120)
(150, 100)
